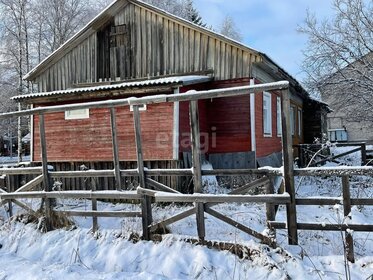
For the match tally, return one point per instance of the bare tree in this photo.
(339, 58)
(228, 28)
(181, 8)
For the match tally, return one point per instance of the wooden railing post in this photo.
(114, 138)
(287, 156)
(146, 206)
(94, 207)
(196, 159)
(363, 154)
(46, 178)
(270, 208)
(346, 213)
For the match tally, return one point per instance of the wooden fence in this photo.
(151, 191)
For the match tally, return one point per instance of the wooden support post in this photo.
(46, 177)
(9, 189)
(196, 159)
(270, 209)
(146, 206)
(94, 206)
(287, 156)
(363, 154)
(349, 249)
(114, 138)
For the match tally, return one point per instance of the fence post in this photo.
(46, 177)
(94, 207)
(287, 156)
(196, 159)
(363, 154)
(270, 208)
(146, 205)
(114, 139)
(346, 212)
(9, 189)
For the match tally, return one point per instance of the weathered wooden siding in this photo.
(153, 44)
(90, 139)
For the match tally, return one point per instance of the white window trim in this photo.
(279, 120)
(299, 122)
(142, 107)
(293, 120)
(269, 112)
(77, 114)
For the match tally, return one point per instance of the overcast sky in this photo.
(268, 26)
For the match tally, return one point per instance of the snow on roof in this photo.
(179, 80)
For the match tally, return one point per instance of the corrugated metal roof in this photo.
(179, 80)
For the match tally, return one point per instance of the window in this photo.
(299, 122)
(292, 120)
(279, 122)
(141, 107)
(267, 114)
(77, 114)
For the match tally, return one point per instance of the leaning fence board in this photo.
(30, 185)
(173, 219)
(324, 227)
(216, 214)
(336, 156)
(107, 214)
(160, 186)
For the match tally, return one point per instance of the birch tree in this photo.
(339, 58)
(228, 28)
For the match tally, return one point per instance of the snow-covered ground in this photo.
(110, 254)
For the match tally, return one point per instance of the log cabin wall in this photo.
(139, 42)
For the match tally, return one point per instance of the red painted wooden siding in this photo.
(90, 139)
(266, 145)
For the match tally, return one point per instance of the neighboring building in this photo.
(351, 118)
(135, 49)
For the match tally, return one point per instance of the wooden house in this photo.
(135, 49)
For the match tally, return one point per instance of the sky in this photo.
(269, 26)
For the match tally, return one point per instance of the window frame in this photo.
(267, 114)
(293, 120)
(70, 115)
(299, 122)
(278, 116)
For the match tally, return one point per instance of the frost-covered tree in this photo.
(181, 8)
(228, 28)
(338, 59)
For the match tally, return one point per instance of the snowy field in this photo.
(76, 253)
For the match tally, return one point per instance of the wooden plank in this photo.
(339, 171)
(196, 146)
(263, 238)
(159, 186)
(325, 227)
(94, 207)
(95, 214)
(114, 138)
(46, 178)
(287, 155)
(270, 208)
(349, 242)
(21, 171)
(363, 154)
(173, 219)
(191, 95)
(335, 157)
(200, 219)
(146, 206)
(30, 185)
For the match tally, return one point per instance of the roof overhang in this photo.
(141, 87)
